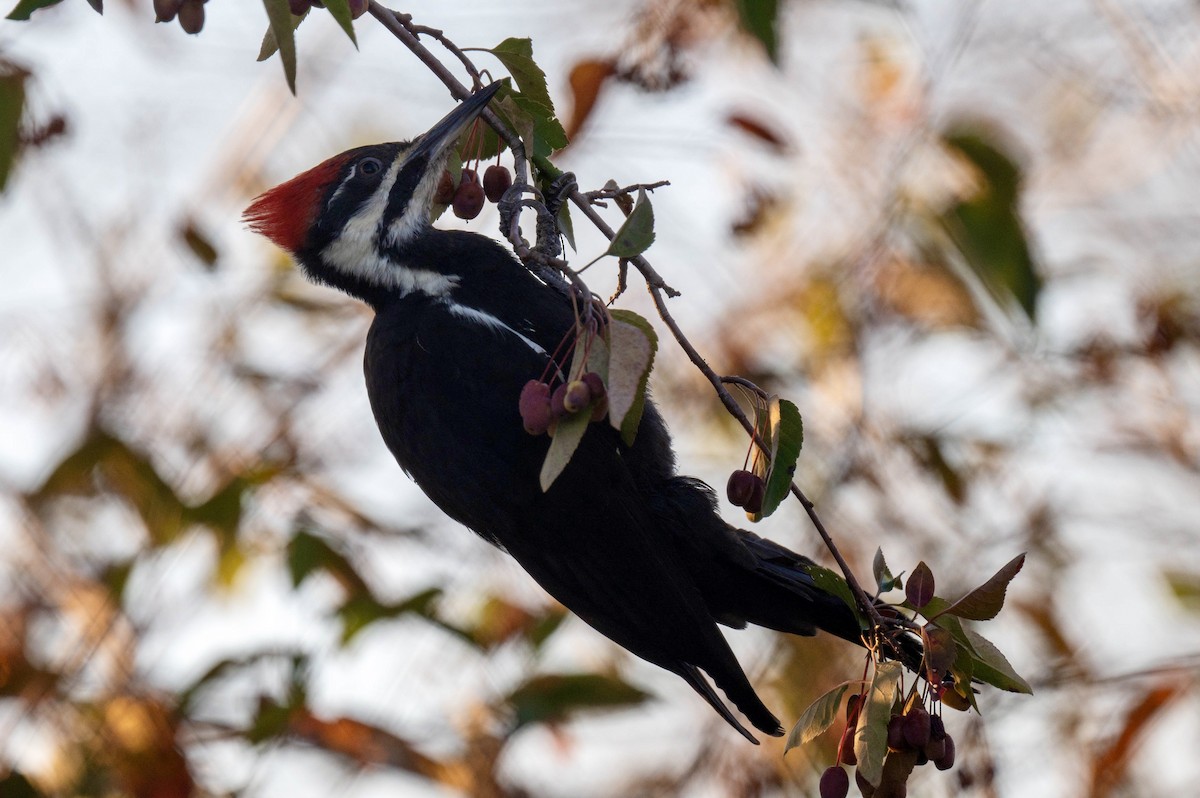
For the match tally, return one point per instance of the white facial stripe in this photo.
(416, 215)
(491, 322)
(356, 251)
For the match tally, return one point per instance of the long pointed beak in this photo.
(452, 125)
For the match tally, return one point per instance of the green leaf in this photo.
(870, 737)
(307, 553)
(567, 435)
(985, 602)
(884, 579)
(12, 106)
(919, 589)
(26, 7)
(992, 667)
(340, 9)
(834, 585)
(819, 716)
(987, 227)
(788, 437)
(760, 18)
(637, 233)
(362, 610)
(269, 46)
(283, 29)
(517, 57)
(555, 697)
(632, 344)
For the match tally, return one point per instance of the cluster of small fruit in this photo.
(466, 199)
(299, 7)
(541, 409)
(914, 734)
(189, 12)
(746, 489)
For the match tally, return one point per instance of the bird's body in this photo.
(635, 550)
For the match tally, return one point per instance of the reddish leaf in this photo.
(919, 588)
(985, 602)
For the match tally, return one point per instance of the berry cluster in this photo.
(746, 489)
(542, 408)
(466, 199)
(189, 12)
(913, 734)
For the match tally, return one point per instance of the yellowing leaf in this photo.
(632, 343)
(870, 738)
(567, 436)
(819, 716)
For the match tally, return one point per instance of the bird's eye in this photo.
(369, 166)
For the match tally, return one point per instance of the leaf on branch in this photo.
(26, 7)
(281, 35)
(884, 579)
(992, 667)
(819, 716)
(870, 737)
(637, 233)
(985, 602)
(517, 56)
(340, 9)
(940, 652)
(567, 435)
(632, 343)
(834, 585)
(787, 437)
(919, 589)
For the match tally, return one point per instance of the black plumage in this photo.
(634, 549)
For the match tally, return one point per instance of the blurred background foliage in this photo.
(965, 243)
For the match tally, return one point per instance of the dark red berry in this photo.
(917, 727)
(496, 180)
(740, 487)
(934, 749)
(946, 760)
(595, 384)
(754, 504)
(165, 10)
(600, 409)
(577, 397)
(535, 407)
(846, 753)
(835, 783)
(191, 16)
(299, 7)
(468, 176)
(895, 734)
(445, 190)
(468, 199)
(358, 8)
(557, 406)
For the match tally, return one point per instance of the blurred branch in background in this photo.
(965, 246)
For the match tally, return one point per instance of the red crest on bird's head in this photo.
(287, 212)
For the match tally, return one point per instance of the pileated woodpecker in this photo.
(634, 549)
